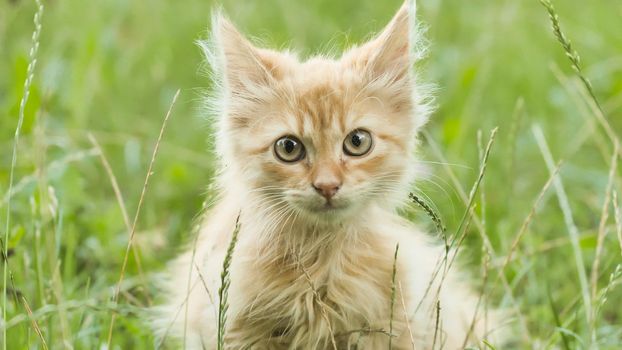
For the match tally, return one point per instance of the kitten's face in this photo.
(323, 138)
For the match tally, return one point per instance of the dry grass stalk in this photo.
(618, 218)
(406, 316)
(529, 217)
(461, 230)
(480, 177)
(475, 219)
(140, 203)
(480, 299)
(162, 340)
(575, 63)
(604, 216)
(204, 283)
(525, 333)
(35, 325)
(320, 303)
(517, 116)
(119, 196)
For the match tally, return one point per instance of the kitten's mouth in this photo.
(325, 208)
(329, 207)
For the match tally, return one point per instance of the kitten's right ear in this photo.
(240, 63)
(390, 53)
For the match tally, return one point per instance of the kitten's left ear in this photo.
(390, 52)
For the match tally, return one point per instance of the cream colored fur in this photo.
(303, 276)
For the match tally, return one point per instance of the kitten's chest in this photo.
(343, 297)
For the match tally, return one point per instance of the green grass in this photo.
(111, 68)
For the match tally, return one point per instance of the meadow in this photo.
(542, 236)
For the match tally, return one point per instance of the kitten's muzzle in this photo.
(327, 189)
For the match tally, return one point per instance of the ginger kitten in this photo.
(316, 155)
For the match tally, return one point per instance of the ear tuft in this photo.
(241, 63)
(390, 53)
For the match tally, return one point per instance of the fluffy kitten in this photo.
(316, 156)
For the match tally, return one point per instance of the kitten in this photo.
(317, 155)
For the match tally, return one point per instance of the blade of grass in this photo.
(225, 282)
(572, 229)
(53, 166)
(437, 323)
(394, 273)
(558, 322)
(37, 253)
(615, 279)
(57, 290)
(30, 72)
(49, 310)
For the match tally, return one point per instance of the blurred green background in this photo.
(111, 68)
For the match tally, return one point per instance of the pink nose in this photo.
(327, 189)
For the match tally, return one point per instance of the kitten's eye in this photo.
(289, 149)
(357, 143)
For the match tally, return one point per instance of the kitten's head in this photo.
(321, 137)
